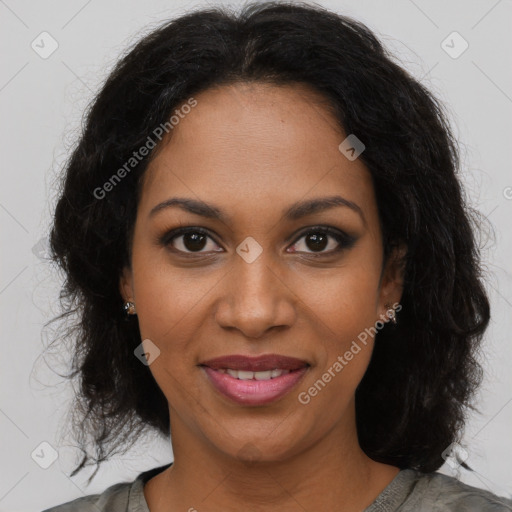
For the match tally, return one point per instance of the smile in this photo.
(254, 388)
(246, 375)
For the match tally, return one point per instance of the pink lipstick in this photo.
(254, 380)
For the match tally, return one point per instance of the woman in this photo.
(265, 238)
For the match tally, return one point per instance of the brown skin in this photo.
(252, 150)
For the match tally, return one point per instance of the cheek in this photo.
(166, 305)
(171, 313)
(343, 303)
(345, 298)
(171, 304)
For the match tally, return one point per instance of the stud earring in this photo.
(129, 308)
(391, 313)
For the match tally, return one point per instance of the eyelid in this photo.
(344, 240)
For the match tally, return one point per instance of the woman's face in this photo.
(258, 159)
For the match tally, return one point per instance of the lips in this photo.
(255, 364)
(254, 381)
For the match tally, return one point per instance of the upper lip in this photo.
(255, 364)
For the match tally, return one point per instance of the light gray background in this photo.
(41, 104)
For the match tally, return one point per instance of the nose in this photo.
(256, 299)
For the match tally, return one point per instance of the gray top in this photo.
(409, 491)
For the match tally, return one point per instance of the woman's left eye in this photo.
(324, 241)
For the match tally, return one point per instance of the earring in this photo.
(129, 308)
(390, 313)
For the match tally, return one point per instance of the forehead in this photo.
(259, 144)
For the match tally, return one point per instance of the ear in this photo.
(126, 285)
(392, 281)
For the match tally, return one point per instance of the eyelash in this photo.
(344, 240)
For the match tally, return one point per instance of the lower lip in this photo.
(254, 392)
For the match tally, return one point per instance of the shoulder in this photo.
(114, 499)
(121, 497)
(443, 493)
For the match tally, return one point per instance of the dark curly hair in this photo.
(413, 400)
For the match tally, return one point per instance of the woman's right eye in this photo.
(189, 241)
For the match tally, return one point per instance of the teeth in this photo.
(245, 375)
(266, 375)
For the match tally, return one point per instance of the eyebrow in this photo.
(294, 212)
